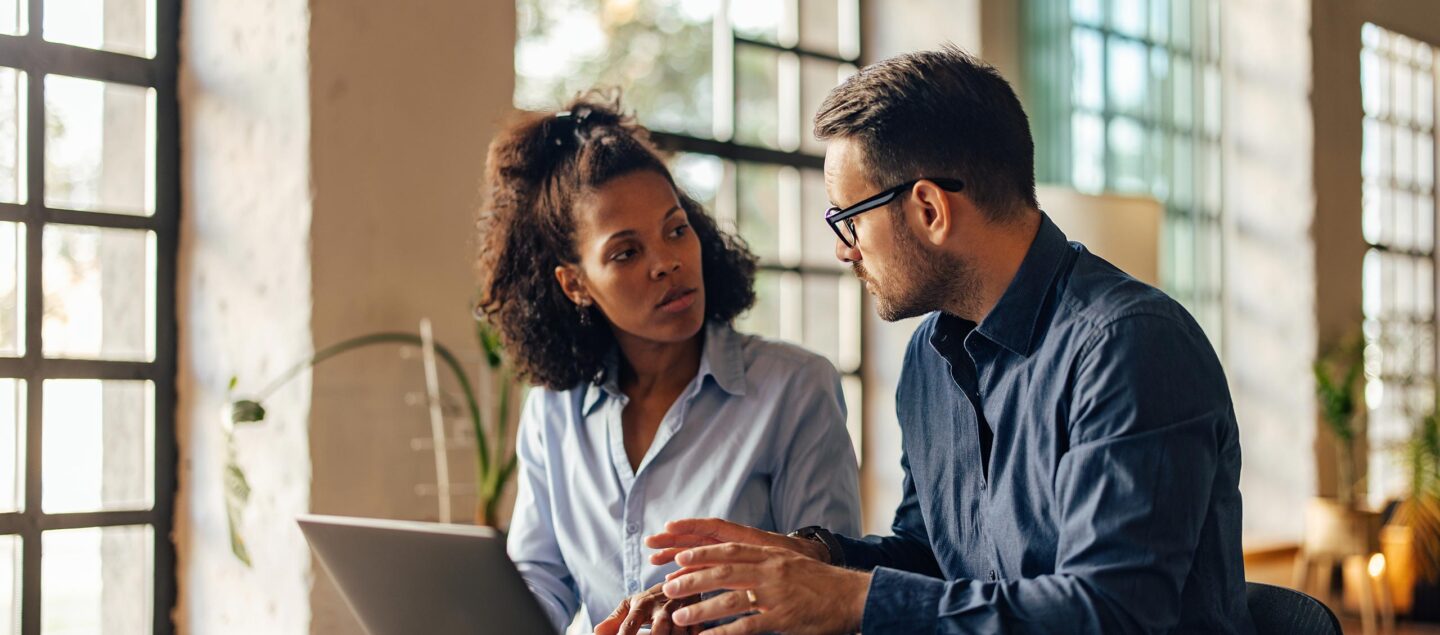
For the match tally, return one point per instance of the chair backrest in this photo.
(1281, 611)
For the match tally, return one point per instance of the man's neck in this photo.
(998, 253)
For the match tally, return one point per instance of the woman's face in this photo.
(639, 259)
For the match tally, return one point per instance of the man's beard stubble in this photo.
(926, 280)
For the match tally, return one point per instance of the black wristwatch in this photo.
(824, 537)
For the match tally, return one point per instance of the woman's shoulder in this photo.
(774, 358)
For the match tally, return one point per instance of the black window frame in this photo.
(38, 58)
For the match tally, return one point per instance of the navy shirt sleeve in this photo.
(1149, 406)
(908, 549)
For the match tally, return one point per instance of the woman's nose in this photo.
(665, 267)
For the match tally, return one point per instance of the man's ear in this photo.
(572, 282)
(936, 211)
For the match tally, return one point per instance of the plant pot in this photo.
(1414, 596)
(1338, 530)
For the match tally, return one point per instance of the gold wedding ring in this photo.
(750, 595)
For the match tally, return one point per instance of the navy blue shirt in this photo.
(1072, 464)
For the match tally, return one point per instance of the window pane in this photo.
(122, 26)
(658, 51)
(1128, 17)
(1086, 12)
(818, 249)
(1127, 148)
(820, 25)
(1159, 20)
(822, 318)
(10, 570)
(757, 19)
(855, 412)
(1088, 152)
(12, 22)
(763, 318)
(12, 454)
(12, 135)
(99, 293)
(12, 285)
(1127, 76)
(97, 580)
(701, 176)
(1089, 52)
(1182, 103)
(757, 96)
(759, 209)
(99, 146)
(817, 78)
(98, 437)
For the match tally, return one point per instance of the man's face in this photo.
(907, 276)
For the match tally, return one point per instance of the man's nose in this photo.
(845, 253)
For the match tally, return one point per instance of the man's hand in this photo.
(650, 608)
(681, 535)
(782, 590)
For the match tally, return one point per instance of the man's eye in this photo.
(623, 255)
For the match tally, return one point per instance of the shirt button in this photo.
(632, 528)
(634, 586)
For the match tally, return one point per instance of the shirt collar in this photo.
(1014, 320)
(721, 359)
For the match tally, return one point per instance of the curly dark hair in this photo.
(537, 167)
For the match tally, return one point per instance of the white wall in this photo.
(244, 307)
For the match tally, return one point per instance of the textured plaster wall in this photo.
(244, 308)
(1270, 257)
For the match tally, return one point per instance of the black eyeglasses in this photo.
(838, 218)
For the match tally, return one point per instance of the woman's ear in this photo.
(573, 284)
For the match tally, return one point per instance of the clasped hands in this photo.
(773, 583)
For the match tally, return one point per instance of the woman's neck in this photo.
(647, 366)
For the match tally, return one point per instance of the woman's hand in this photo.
(650, 607)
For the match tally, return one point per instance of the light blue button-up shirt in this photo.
(758, 437)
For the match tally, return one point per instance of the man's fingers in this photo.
(759, 623)
(717, 554)
(715, 528)
(679, 572)
(680, 541)
(728, 604)
(722, 576)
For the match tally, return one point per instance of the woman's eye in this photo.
(679, 231)
(622, 256)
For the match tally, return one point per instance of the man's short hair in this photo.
(933, 114)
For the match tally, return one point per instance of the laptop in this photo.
(405, 577)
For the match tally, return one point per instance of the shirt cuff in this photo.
(902, 602)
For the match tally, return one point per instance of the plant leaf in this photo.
(247, 411)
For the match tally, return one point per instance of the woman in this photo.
(614, 292)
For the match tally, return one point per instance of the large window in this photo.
(88, 210)
(1398, 86)
(731, 87)
(1124, 97)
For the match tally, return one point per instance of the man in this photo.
(1071, 454)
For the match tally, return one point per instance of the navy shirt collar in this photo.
(1015, 320)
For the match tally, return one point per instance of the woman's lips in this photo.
(679, 304)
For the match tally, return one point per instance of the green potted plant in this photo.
(495, 459)
(1337, 526)
(1411, 541)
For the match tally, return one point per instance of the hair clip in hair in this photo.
(572, 120)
